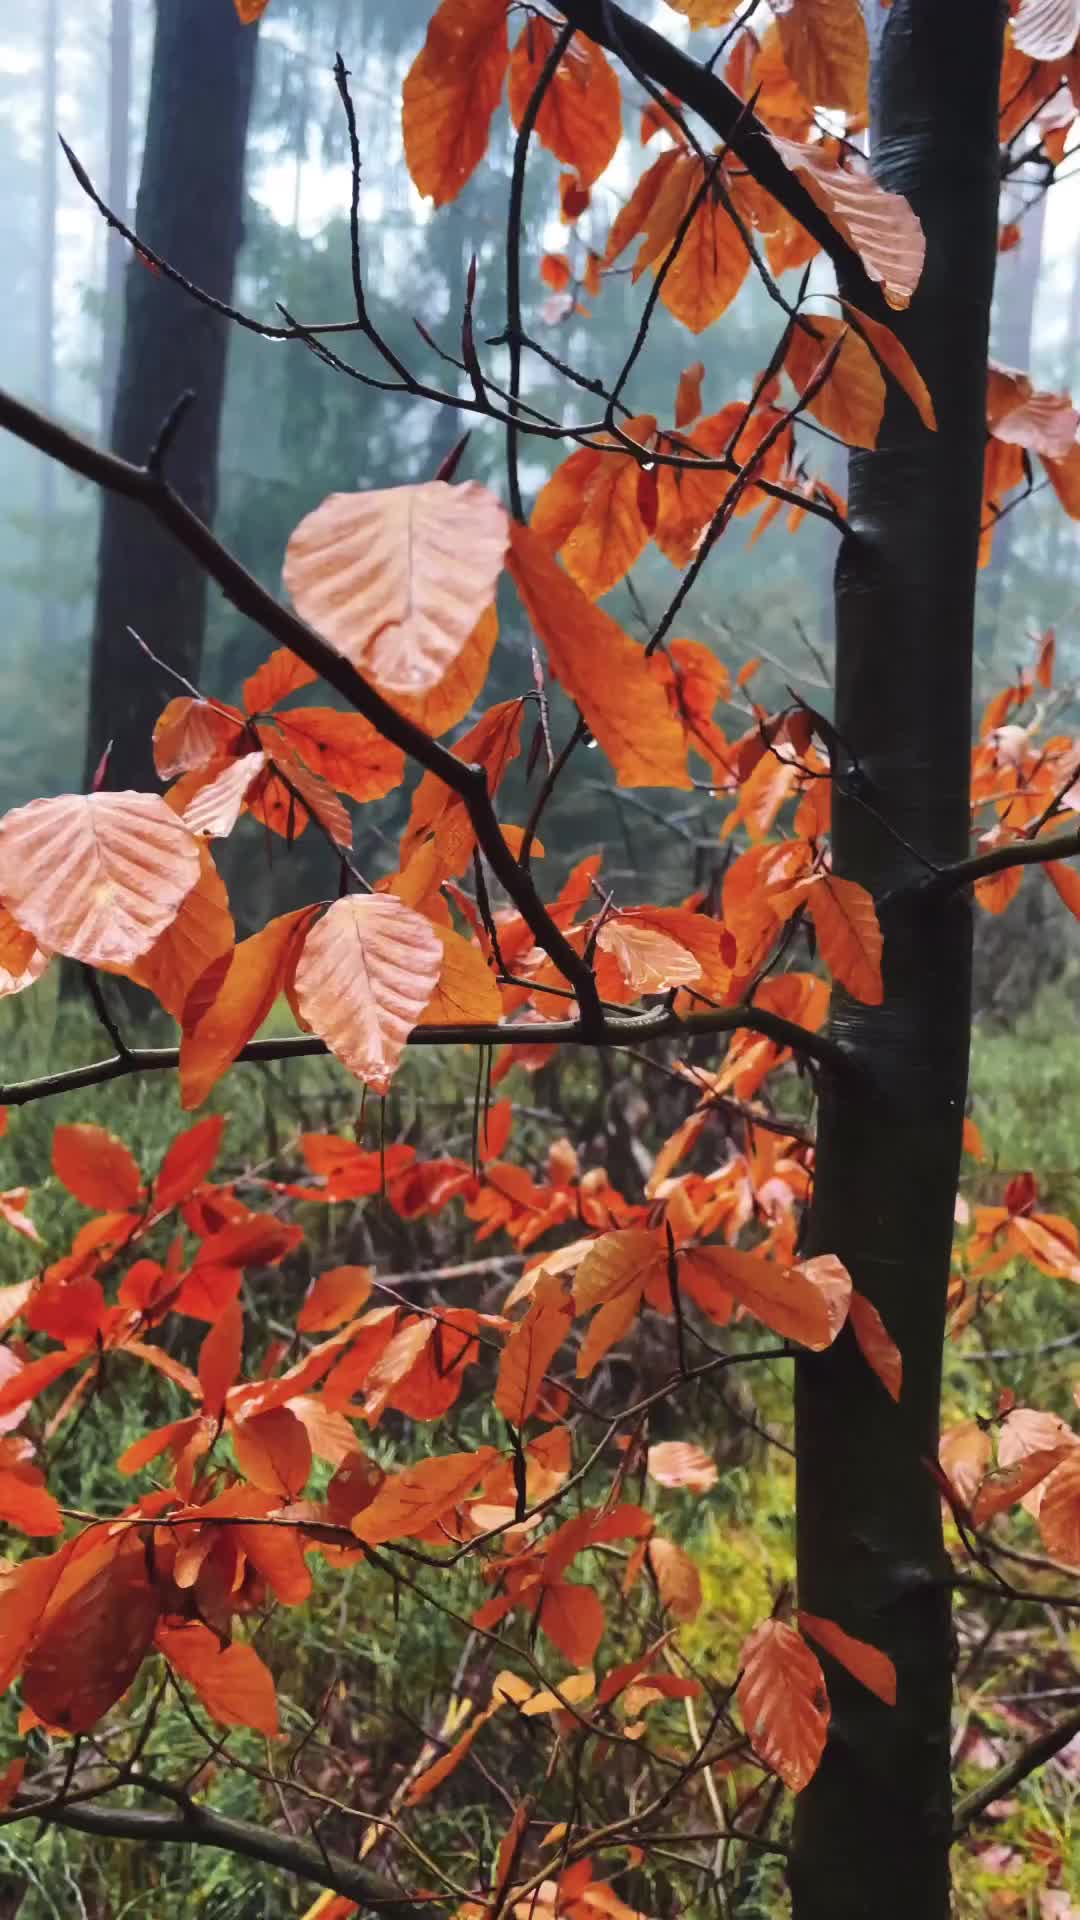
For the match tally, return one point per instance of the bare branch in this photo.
(613, 1030)
(191, 1824)
(1025, 1762)
(1018, 853)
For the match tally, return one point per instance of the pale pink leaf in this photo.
(367, 971)
(883, 228)
(96, 876)
(396, 579)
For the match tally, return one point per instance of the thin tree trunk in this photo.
(1017, 283)
(118, 142)
(189, 210)
(872, 1830)
(47, 316)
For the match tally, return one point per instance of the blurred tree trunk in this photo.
(1014, 302)
(116, 193)
(47, 313)
(189, 210)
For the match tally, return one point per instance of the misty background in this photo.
(235, 154)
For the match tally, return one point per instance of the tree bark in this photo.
(872, 1830)
(189, 210)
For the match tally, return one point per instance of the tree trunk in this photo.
(47, 316)
(872, 1830)
(116, 193)
(189, 210)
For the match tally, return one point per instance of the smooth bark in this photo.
(189, 210)
(872, 1830)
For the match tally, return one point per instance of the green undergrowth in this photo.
(368, 1667)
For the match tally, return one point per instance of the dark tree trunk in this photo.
(189, 210)
(116, 193)
(872, 1830)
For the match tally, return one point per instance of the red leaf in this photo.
(868, 1664)
(232, 1682)
(220, 1356)
(96, 1167)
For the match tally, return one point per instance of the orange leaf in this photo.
(1008, 1484)
(688, 395)
(849, 937)
(633, 217)
(876, 1344)
(412, 1501)
(677, 1578)
(807, 1302)
(555, 271)
(868, 1664)
(366, 972)
(396, 579)
(493, 743)
(345, 748)
(973, 1140)
(450, 94)
(1059, 1513)
(964, 1454)
(712, 260)
(601, 669)
(580, 117)
(852, 400)
(679, 1463)
(531, 1348)
(783, 1702)
(896, 359)
(334, 1298)
(448, 1762)
(466, 993)
(572, 1617)
(219, 1358)
(248, 11)
(201, 933)
(97, 1630)
(826, 52)
(96, 876)
(1045, 423)
(189, 734)
(273, 1451)
(96, 1167)
(228, 1005)
(590, 511)
(283, 673)
(22, 961)
(231, 1682)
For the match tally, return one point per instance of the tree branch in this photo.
(152, 491)
(614, 1030)
(1025, 1762)
(699, 89)
(200, 1826)
(1018, 853)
